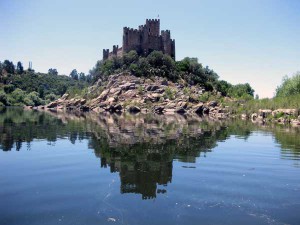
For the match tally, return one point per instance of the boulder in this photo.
(180, 110)
(287, 112)
(118, 107)
(115, 91)
(205, 110)
(253, 116)
(84, 108)
(134, 109)
(212, 104)
(159, 109)
(111, 100)
(198, 108)
(264, 112)
(103, 95)
(295, 122)
(164, 82)
(64, 97)
(127, 86)
(244, 116)
(192, 99)
(152, 87)
(52, 105)
(82, 101)
(182, 104)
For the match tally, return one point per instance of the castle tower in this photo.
(105, 54)
(144, 40)
(115, 50)
(153, 27)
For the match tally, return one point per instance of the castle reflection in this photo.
(141, 148)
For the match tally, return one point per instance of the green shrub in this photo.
(204, 97)
(51, 97)
(9, 88)
(169, 93)
(3, 99)
(18, 96)
(289, 86)
(34, 97)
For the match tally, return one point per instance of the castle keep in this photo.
(144, 40)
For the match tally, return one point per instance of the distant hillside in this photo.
(25, 87)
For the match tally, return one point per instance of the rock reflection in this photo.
(141, 148)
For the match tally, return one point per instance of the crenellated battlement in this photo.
(152, 20)
(143, 40)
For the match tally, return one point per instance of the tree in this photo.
(9, 67)
(130, 57)
(289, 86)
(223, 87)
(82, 76)
(20, 68)
(74, 74)
(52, 72)
(241, 90)
(1, 68)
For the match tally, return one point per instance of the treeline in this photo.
(26, 87)
(287, 96)
(187, 71)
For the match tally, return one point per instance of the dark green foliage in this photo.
(20, 68)
(9, 88)
(35, 89)
(74, 74)
(241, 91)
(33, 99)
(193, 72)
(50, 97)
(129, 58)
(8, 66)
(1, 68)
(223, 87)
(82, 76)
(52, 72)
(3, 99)
(289, 86)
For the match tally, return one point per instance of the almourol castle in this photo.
(144, 40)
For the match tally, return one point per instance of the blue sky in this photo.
(256, 41)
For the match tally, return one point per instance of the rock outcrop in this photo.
(125, 92)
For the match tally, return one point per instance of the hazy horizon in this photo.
(253, 42)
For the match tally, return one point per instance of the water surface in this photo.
(145, 169)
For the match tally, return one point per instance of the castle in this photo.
(144, 40)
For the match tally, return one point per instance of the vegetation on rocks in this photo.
(187, 72)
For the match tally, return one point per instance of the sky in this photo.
(255, 42)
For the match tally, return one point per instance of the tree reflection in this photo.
(141, 148)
